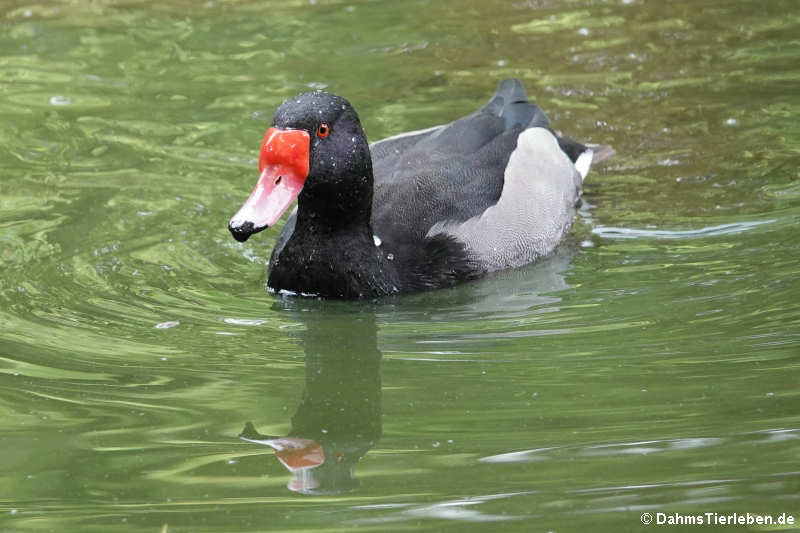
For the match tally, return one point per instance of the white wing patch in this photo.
(584, 162)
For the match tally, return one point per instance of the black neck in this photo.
(333, 254)
(329, 209)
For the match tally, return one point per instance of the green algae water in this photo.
(651, 367)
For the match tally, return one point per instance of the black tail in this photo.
(511, 103)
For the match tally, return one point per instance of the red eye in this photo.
(323, 130)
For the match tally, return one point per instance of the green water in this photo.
(651, 365)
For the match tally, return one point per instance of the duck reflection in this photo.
(339, 417)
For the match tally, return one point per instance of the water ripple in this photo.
(611, 232)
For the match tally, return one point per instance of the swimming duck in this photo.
(426, 209)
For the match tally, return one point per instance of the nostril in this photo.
(278, 179)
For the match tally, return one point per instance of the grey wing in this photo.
(450, 172)
(397, 145)
(534, 211)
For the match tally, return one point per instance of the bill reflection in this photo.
(339, 417)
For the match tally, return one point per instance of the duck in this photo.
(428, 209)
